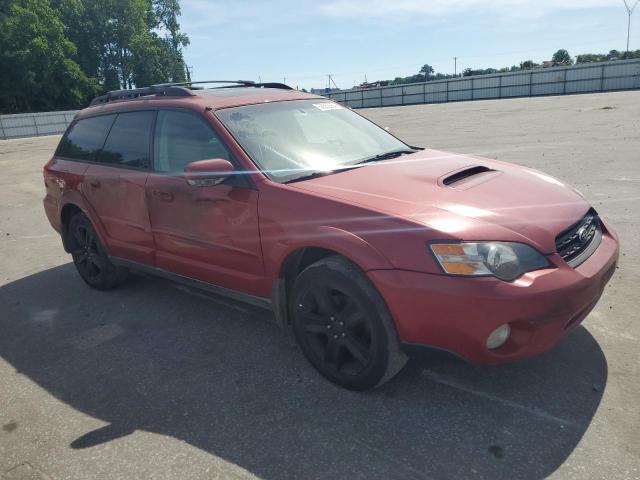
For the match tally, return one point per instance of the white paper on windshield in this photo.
(327, 106)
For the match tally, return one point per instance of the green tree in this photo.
(154, 61)
(614, 55)
(167, 13)
(590, 58)
(562, 57)
(119, 40)
(426, 70)
(528, 65)
(36, 61)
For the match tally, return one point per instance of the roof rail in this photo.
(235, 83)
(180, 89)
(247, 83)
(159, 90)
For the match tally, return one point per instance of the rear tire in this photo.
(343, 325)
(90, 257)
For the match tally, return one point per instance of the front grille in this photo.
(577, 243)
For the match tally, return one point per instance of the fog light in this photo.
(498, 337)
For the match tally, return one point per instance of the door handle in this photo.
(95, 183)
(163, 196)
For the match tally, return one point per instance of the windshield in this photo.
(289, 140)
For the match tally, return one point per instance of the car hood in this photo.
(461, 196)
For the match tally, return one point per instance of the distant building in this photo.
(366, 85)
(324, 91)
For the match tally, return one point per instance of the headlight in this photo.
(504, 260)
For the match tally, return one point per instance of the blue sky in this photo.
(305, 40)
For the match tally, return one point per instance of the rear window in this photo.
(129, 140)
(85, 138)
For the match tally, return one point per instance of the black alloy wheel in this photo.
(89, 256)
(343, 326)
(337, 330)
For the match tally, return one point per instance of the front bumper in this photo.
(458, 314)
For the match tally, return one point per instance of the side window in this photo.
(182, 138)
(85, 138)
(129, 140)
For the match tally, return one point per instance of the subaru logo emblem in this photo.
(583, 234)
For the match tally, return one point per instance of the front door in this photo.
(208, 233)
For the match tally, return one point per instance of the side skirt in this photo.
(261, 302)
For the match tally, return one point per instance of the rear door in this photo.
(208, 233)
(64, 174)
(115, 186)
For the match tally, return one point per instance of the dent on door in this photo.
(207, 233)
(119, 200)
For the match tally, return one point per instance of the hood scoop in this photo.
(468, 177)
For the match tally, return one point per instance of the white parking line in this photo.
(452, 383)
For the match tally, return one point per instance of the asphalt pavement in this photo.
(155, 381)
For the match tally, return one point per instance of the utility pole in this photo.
(629, 13)
(331, 81)
(455, 66)
(284, 80)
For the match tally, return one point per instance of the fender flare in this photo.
(342, 242)
(75, 198)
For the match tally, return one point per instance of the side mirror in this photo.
(206, 173)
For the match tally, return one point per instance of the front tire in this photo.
(343, 325)
(90, 257)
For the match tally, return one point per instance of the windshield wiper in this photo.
(311, 176)
(382, 156)
(387, 156)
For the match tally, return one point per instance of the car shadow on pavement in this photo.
(222, 377)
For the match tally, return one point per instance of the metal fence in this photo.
(34, 124)
(586, 78)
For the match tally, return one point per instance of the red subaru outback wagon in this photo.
(358, 241)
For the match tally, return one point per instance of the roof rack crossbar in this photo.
(282, 86)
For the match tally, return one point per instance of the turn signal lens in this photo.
(460, 258)
(504, 260)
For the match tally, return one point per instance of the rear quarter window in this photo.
(85, 138)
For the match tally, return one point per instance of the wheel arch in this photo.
(67, 212)
(296, 258)
(70, 206)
